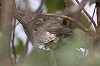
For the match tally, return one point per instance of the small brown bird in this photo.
(43, 29)
(47, 28)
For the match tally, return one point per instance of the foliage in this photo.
(54, 5)
(65, 54)
(19, 46)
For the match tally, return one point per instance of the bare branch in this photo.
(93, 12)
(19, 18)
(71, 19)
(41, 5)
(65, 6)
(92, 18)
(75, 8)
(13, 36)
(65, 12)
(98, 16)
(88, 16)
(38, 11)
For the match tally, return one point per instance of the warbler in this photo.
(47, 28)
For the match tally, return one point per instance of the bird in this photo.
(47, 28)
(41, 30)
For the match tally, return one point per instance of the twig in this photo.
(93, 12)
(71, 19)
(77, 12)
(65, 12)
(66, 17)
(36, 15)
(19, 18)
(13, 36)
(56, 45)
(65, 7)
(41, 5)
(38, 11)
(88, 16)
(98, 17)
(92, 17)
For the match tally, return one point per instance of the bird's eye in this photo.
(44, 19)
(35, 29)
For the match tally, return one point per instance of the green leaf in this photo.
(19, 46)
(79, 39)
(54, 5)
(36, 58)
(60, 21)
(92, 60)
(64, 54)
(61, 57)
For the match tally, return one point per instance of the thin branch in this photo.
(56, 45)
(92, 17)
(98, 16)
(96, 44)
(41, 5)
(13, 36)
(65, 12)
(65, 7)
(36, 15)
(38, 11)
(93, 12)
(77, 13)
(71, 19)
(77, 8)
(19, 18)
(88, 16)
